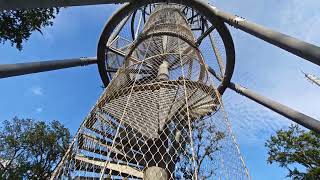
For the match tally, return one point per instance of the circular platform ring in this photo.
(205, 10)
(166, 33)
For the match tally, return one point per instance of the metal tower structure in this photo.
(312, 78)
(146, 122)
(162, 100)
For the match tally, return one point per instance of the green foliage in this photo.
(206, 143)
(16, 26)
(31, 149)
(296, 146)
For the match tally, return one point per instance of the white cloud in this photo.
(37, 91)
(303, 19)
(39, 110)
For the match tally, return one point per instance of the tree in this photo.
(206, 142)
(294, 147)
(31, 149)
(16, 26)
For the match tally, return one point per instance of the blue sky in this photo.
(68, 95)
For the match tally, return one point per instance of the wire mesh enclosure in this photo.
(161, 116)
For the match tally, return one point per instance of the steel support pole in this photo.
(31, 4)
(281, 109)
(295, 46)
(9, 70)
(300, 48)
(138, 26)
(217, 53)
(312, 78)
(205, 34)
(117, 30)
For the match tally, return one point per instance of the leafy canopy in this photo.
(206, 144)
(16, 26)
(294, 147)
(30, 149)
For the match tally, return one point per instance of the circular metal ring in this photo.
(203, 8)
(147, 35)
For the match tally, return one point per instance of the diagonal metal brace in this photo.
(281, 109)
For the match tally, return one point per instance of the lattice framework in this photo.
(161, 115)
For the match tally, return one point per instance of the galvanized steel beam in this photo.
(204, 35)
(31, 4)
(312, 78)
(9, 70)
(116, 32)
(300, 48)
(295, 46)
(281, 109)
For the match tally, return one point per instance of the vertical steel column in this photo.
(154, 172)
(138, 26)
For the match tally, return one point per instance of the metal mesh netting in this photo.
(161, 116)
